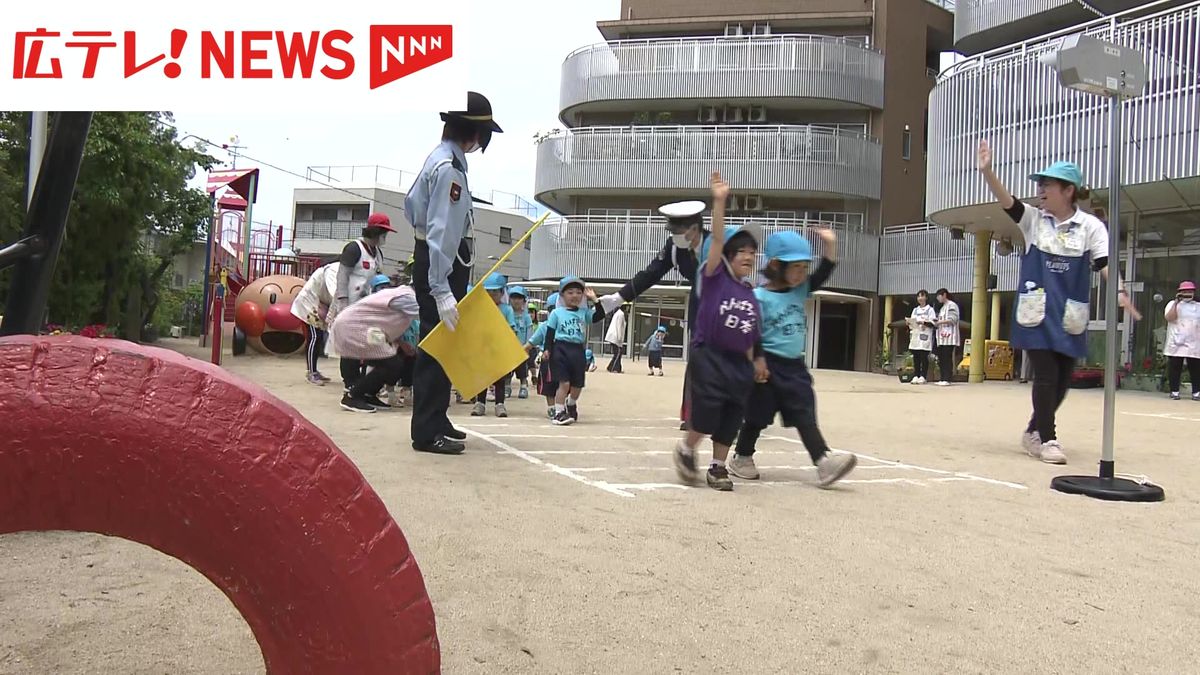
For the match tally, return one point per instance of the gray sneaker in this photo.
(1052, 453)
(743, 467)
(718, 478)
(479, 410)
(1031, 441)
(833, 468)
(501, 411)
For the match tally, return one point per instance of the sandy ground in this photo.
(555, 550)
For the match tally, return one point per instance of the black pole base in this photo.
(1109, 489)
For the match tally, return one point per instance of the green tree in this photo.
(132, 213)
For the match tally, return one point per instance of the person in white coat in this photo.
(312, 307)
(948, 336)
(1183, 339)
(920, 336)
(615, 337)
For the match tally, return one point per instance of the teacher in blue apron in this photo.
(1063, 246)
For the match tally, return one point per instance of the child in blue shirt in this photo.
(494, 285)
(522, 326)
(566, 337)
(654, 350)
(591, 360)
(546, 386)
(788, 389)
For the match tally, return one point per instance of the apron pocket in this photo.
(1031, 309)
(1075, 317)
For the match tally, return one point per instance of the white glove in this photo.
(611, 302)
(447, 308)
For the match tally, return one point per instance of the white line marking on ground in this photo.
(898, 465)
(584, 438)
(506, 448)
(860, 467)
(1164, 416)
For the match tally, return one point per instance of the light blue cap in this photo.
(380, 280)
(552, 300)
(495, 281)
(517, 290)
(568, 280)
(1064, 171)
(730, 231)
(788, 246)
(661, 329)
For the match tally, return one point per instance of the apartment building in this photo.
(814, 111)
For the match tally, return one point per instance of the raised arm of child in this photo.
(720, 195)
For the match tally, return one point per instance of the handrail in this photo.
(1020, 48)
(676, 129)
(725, 39)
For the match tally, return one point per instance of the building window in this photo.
(360, 212)
(906, 147)
(527, 240)
(325, 213)
(506, 235)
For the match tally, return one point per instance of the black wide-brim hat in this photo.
(478, 113)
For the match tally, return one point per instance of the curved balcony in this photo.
(1016, 103)
(602, 248)
(803, 160)
(824, 71)
(980, 25)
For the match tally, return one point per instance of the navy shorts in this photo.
(719, 384)
(788, 393)
(568, 363)
(655, 359)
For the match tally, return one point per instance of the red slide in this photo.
(148, 445)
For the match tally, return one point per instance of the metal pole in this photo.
(37, 149)
(208, 263)
(1111, 343)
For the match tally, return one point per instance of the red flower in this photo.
(1147, 364)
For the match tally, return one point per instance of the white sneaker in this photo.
(1052, 453)
(1031, 441)
(743, 467)
(915, 380)
(943, 383)
(833, 468)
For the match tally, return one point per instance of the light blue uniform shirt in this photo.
(570, 325)
(438, 205)
(539, 336)
(521, 324)
(784, 321)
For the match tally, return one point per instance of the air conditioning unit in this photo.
(733, 204)
(735, 115)
(734, 30)
(758, 113)
(709, 115)
(762, 29)
(753, 203)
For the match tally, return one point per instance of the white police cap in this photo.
(688, 209)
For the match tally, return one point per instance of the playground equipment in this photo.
(141, 443)
(263, 317)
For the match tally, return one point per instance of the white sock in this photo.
(570, 401)
(716, 463)
(558, 407)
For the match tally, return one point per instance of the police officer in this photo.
(439, 207)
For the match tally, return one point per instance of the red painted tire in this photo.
(147, 445)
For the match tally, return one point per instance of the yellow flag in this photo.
(482, 347)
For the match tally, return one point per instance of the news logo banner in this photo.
(155, 56)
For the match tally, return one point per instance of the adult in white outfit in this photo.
(615, 337)
(361, 261)
(1183, 339)
(920, 338)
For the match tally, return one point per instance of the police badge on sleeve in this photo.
(455, 192)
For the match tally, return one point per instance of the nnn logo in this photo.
(399, 51)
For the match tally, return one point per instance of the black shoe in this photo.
(683, 426)
(356, 405)
(573, 411)
(562, 418)
(454, 434)
(374, 401)
(441, 446)
(718, 479)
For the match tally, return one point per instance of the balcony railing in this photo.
(617, 248)
(803, 158)
(341, 230)
(987, 24)
(1015, 102)
(399, 178)
(744, 67)
(926, 257)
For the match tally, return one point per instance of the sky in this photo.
(514, 60)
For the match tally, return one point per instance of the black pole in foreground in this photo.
(35, 255)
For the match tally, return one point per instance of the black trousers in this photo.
(431, 387)
(788, 393)
(383, 371)
(920, 363)
(1051, 380)
(351, 369)
(499, 388)
(406, 371)
(316, 346)
(1175, 372)
(614, 365)
(946, 361)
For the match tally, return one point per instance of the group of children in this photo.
(748, 344)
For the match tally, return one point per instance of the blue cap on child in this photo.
(495, 282)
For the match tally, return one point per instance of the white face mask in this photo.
(382, 239)
(680, 240)
(473, 147)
